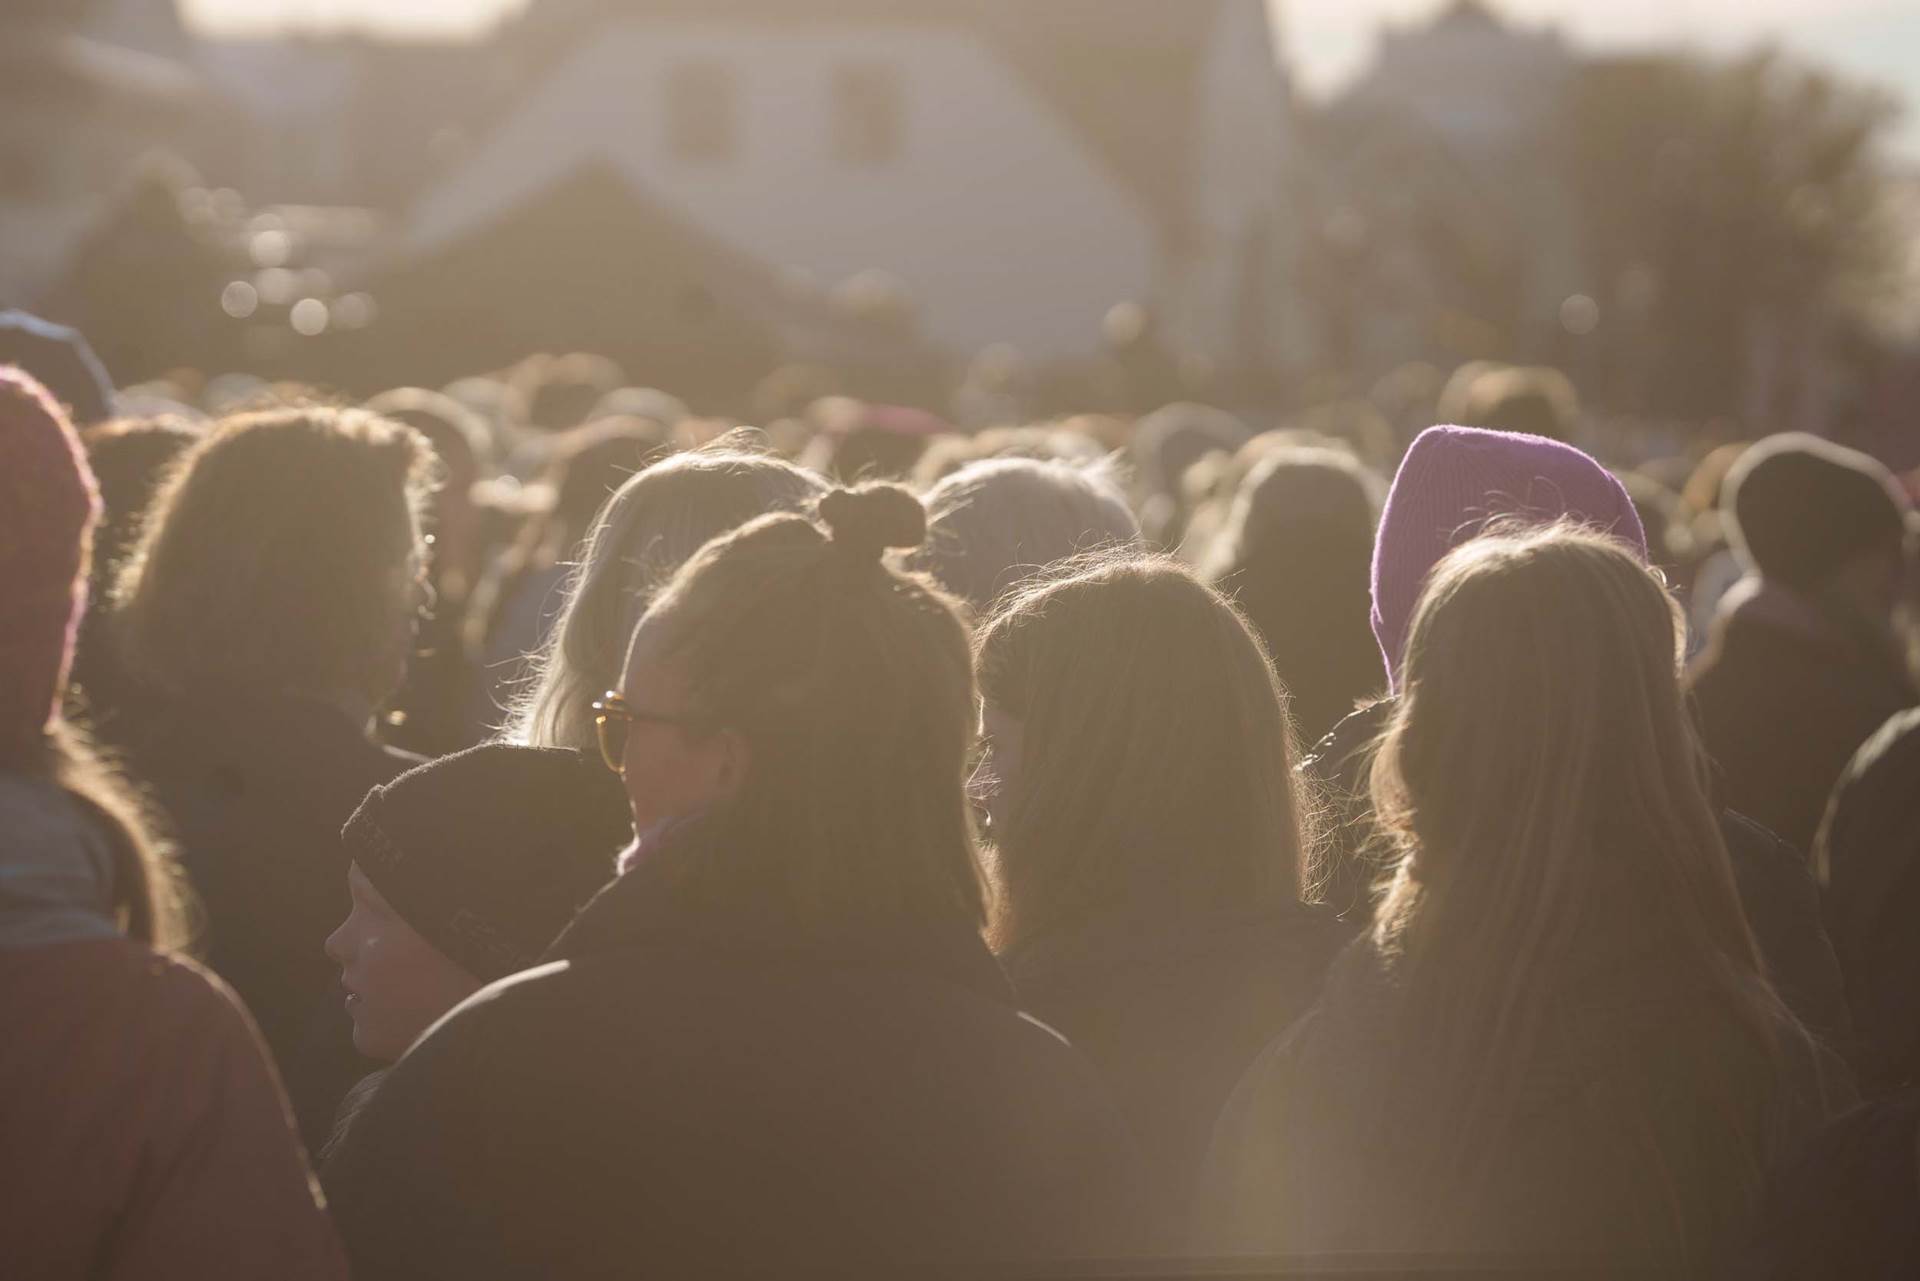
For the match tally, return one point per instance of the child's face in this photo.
(397, 983)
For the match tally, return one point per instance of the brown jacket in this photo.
(142, 1131)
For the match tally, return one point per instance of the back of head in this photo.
(1294, 557)
(1800, 508)
(1454, 480)
(1563, 889)
(558, 392)
(458, 434)
(995, 522)
(1169, 440)
(1155, 756)
(129, 458)
(852, 686)
(1533, 400)
(652, 525)
(247, 576)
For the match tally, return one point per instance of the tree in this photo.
(1735, 224)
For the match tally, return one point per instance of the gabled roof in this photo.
(1125, 75)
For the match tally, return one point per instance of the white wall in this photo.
(1002, 226)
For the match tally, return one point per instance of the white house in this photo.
(1022, 165)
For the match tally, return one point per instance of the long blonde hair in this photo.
(1156, 767)
(1543, 782)
(652, 525)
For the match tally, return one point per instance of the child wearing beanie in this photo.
(464, 870)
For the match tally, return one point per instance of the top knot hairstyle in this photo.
(852, 683)
(866, 522)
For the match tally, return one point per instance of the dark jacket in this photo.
(1870, 849)
(699, 1090)
(1640, 1131)
(1776, 889)
(146, 1136)
(142, 1133)
(1785, 698)
(1171, 1013)
(255, 793)
(1849, 1208)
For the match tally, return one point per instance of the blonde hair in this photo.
(995, 522)
(652, 525)
(1543, 783)
(852, 684)
(1156, 761)
(273, 556)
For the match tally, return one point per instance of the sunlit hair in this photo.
(651, 526)
(148, 895)
(852, 684)
(280, 555)
(1543, 782)
(1295, 555)
(993, 523)
(1156, 761)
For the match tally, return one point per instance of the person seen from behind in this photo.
(1453, 481)
(146, 1134)
(1148, 839)
(1557, 1037)
(1804, 660)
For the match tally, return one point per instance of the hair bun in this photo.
(868, 520)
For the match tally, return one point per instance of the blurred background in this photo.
(1706, 213)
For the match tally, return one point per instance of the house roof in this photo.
(1125, 75)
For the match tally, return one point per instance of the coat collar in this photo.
(646, 906)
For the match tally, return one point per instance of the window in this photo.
(869, 117)
(702, 116)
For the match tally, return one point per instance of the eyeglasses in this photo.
(614, 719)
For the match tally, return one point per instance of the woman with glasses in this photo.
(777, 1041)
(266, 615)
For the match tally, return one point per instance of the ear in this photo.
(735, 758)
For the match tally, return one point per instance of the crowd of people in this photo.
(527, 829)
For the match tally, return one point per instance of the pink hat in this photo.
(1456, 479)
(48, 507)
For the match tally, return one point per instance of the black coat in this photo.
(1849, 1208)
(255, 793)
(1871, 845)
(1783, 709)
(1171, 1013)
(1641, 1130)
(700, 1091)
(1776, 889)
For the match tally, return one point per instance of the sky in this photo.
(1327, 41)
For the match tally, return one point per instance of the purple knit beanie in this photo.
(1456, 479)
(48, 505)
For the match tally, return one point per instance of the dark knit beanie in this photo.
(62, 361)
(1798, 508)
(489, 852)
